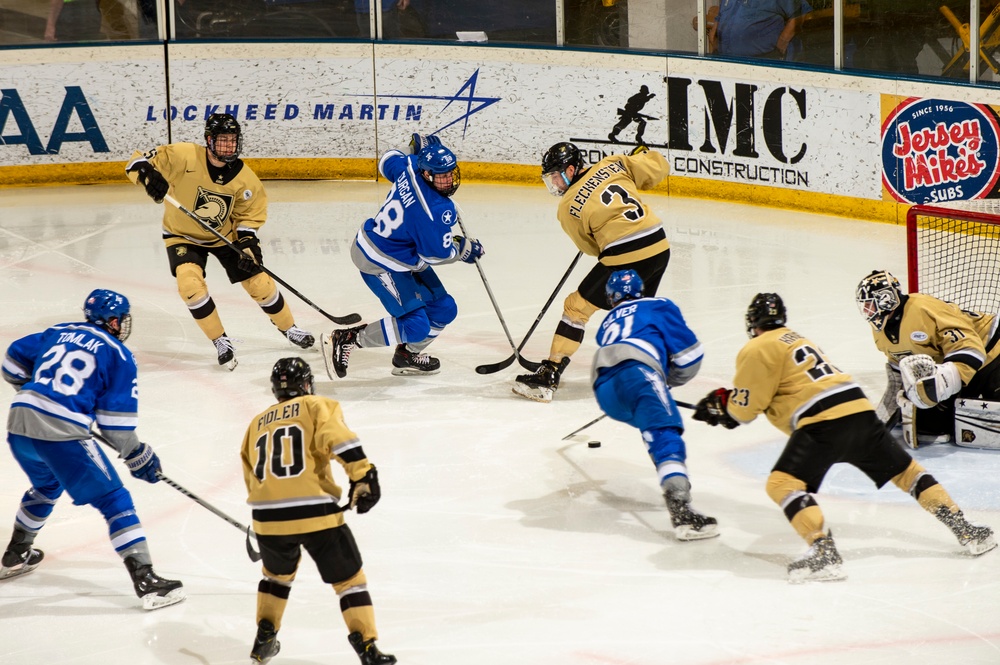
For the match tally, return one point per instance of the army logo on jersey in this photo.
(213, 207)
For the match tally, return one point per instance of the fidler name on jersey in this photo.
(592, 183)
(287, 411)
(79, 339)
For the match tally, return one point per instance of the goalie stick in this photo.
(504, 364)
(251, 552)
(683, 405)
(347, 319)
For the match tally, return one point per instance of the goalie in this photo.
(938, 354)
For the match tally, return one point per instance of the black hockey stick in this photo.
(679, 403)
(504, 364)
(342, 320)
(251, 552)
(527, 364)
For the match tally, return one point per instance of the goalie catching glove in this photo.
(365, 492)
(926, 383)
(712, 409)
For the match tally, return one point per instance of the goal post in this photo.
(953, 253)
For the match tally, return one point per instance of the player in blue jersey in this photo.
(395, 252)
(646, 349)
(69, 378)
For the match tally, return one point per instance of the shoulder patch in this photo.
(919, 336)
(448, 217)
(247, 194)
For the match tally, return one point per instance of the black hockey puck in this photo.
(593, 444)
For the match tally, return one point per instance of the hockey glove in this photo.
(638, 150)
(143, 464)
(418, 143)
(365, 492)
(154, 182)
(469, 250)
(927, 383)
(249, 245)
(712, 409)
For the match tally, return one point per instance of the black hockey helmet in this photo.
(110, 310)
(291, 377)
(555, 161)
(223, 123)
(766, 311)
(878, 295)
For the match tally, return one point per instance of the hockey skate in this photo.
(975, 538)
(688, 523)
(337, 347)
(541, 385)
(820, 563)
(406, 362)
(154, 591)
(19, 558)
(266, 645)
(368, 652)
(299, 337)
(224, 347)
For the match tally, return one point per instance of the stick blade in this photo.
(496, 367)
(346, 320)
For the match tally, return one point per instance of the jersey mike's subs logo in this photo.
(213, 207)
(935, 151)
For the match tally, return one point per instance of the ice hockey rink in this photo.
(496, 542)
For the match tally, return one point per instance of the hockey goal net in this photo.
(953, 253)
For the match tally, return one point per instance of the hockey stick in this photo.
(679, 403)
(342, 320)
(251, 552)
(527, 364)
(504, 364)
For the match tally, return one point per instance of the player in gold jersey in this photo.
(960, 347)
(286, 456)
(828, 419)
(214, 183)
(601, 212)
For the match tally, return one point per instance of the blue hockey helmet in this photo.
(291, 377)
(623, 285)
(440, 168)
(109, 310)
(766, 311)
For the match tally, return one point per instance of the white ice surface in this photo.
(496, 542)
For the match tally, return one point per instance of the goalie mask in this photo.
(878, 296)
(554, 164)
(110, 311)
(623, 285)
(439, 166)
(218, 129)
(291, 377)
(767, 312)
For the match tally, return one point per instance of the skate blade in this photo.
(326, 340)
(152, 601)
(687, 532)
(543, 395)
(231, 365)
(16, 571)
(254, 660)
(411, 371)
(832, 573)
(979, 547)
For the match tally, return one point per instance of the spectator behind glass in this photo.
(390, 17)
(758, 28)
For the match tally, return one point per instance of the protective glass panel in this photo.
(72, 21)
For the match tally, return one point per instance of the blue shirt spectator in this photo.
(759, 28)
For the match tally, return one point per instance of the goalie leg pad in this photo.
(977, 424)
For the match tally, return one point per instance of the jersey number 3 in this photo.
(634, 212)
